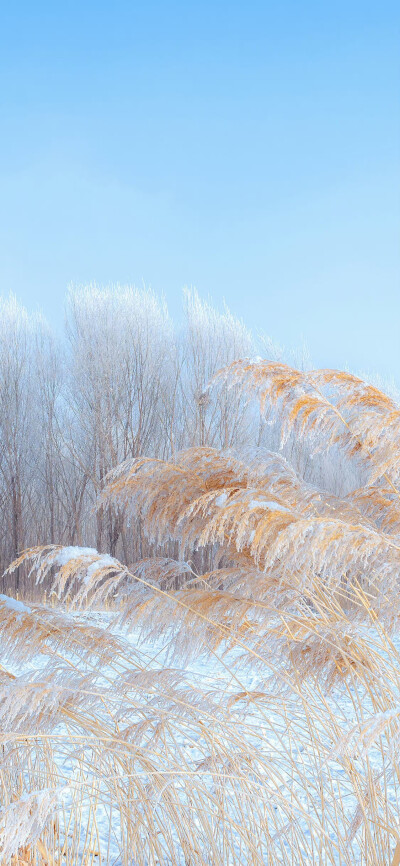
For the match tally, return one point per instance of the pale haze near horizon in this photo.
(250, 150)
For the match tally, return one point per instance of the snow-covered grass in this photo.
(271, 728)
(151, 761)
(263, 755)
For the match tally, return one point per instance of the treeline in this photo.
(121, 382)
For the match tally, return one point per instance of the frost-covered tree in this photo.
(212, 340)
(120, 366)
(27, 407)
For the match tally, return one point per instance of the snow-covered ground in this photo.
(268, 732)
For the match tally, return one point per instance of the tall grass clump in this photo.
(249, 714)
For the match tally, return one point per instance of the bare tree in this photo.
(24, 342)
(120, 350)
(211, 341)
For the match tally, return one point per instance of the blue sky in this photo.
(249, 149)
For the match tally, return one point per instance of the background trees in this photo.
(121, 381)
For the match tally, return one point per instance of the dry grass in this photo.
(286, 749)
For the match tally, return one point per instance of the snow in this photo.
(104, 561)
(14, 605)
(220, 500)
(267, 503)
(67, 554)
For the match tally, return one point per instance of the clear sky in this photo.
(250, 149)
